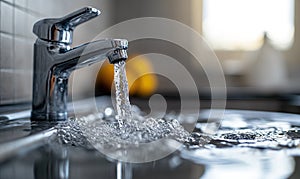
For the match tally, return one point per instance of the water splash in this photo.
(102, 130)
(127, 128)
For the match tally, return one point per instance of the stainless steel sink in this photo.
(30, 150)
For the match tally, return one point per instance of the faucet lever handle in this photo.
(78, 17)
(61, 29)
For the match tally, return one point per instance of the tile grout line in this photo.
(14, 56)
(16, 35)
(9, 70)
(0, 54)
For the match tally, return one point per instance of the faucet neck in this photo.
(50, 85)
(54, 107)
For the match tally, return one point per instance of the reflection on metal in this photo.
(12, 148)
(16, 115)
(53, 164)
(124, 170)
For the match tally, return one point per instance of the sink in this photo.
(31, 150)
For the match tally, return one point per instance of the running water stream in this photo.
(123, 106)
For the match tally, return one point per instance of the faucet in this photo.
(54, 60)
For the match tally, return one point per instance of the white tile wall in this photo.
(16, 40)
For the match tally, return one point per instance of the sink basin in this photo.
(31, 150)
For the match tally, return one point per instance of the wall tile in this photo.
(22, 80)
(6, 91)
(23, 53)
(6, 17)
(21, 3)
(6, 51)
(21, 23)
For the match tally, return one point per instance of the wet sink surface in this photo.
(70, 162)
(11, 130)
(230, 153)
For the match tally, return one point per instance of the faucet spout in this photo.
(90, 53)
(55, 60)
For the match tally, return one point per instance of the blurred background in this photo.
(256, 41)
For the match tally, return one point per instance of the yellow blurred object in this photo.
(139, 71)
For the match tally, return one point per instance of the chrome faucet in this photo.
(54, 60)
